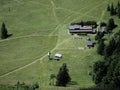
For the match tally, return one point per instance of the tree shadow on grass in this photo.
(9, 35)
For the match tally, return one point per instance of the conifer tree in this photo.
(63, 76)
(118, 11)
(4, 33)
(101, 47)
(118, 4)
(109, 49)
(99, 36)
(116, 75)
(112, 10)
(111, 25)
(99, 70)
(108, 8)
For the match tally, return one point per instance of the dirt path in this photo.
(53, 9)
(39, 59)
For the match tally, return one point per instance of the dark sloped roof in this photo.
(73, 27)
(83, 31)
(90, 43)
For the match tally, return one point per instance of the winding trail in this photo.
(54, 12)
(102, 15)
(39, 59)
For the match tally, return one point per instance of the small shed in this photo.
(90, 43)
(57, 56)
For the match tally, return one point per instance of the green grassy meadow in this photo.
(39, 26)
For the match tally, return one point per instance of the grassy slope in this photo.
(41, 25)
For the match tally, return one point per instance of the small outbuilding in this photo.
(90, 43)
(57, 56)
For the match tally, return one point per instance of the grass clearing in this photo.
(40, 26)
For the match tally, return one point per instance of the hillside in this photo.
(39, 26)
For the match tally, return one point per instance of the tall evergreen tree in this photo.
(118, 4)
(99, 70)
(4, 33)
(112, 10)
(108, 7)
(116, 75)
(109, 49)
(63, 77)
(118, 11)
(99, 36)
(111, 25)
(101, 47)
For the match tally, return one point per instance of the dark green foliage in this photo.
(23, 86)
(116, 75)
(99, 36)
(108, 7)
(35, 86)
(100, 88)
(111, 25)
(101, 47)
(109, 49)
(109, 79)
(81, 23)
(92, 23)
(103, 24)
(63, 77)
(99, 71)
(113, 46)
(112, 10)
(119, 11)
(4, 33)
(52, 79)
(107, 73)
(5, 87)
(87, 23)
(118, 4)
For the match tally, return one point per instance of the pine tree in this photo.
(112, 10)
(111, 25)
(108, 8)
(63, 77)
(99, 36)
(118, 11)
(116, 75)
(99, 70)
(4, 33)
(81, 23)
(110, 48)
(101, 47)
(118, 4)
